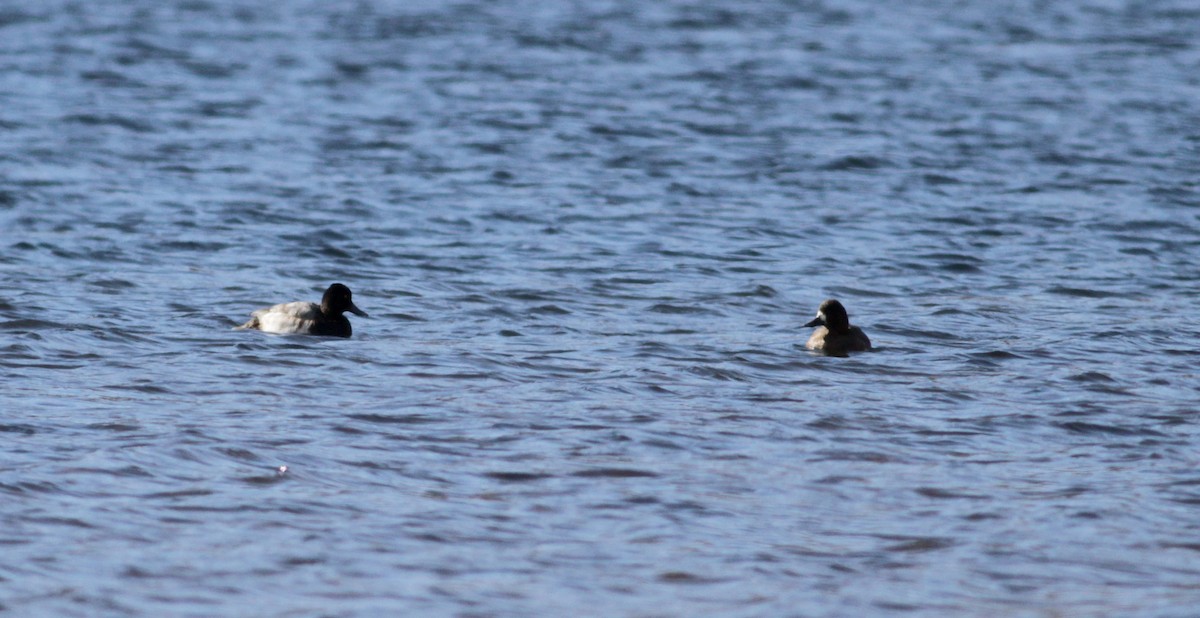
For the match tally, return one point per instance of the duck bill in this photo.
(815, 322)
(357, 311)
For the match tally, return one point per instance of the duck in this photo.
(305, 318)
(835, 336)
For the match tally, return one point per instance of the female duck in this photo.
(303, 318)
(836, 336)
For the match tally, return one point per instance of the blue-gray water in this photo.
(588, 234)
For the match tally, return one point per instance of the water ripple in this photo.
(588, 235)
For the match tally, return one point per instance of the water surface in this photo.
(587, 234)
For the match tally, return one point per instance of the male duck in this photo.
(304, 318)
(836, 336)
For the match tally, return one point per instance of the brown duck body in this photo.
(834, 335)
